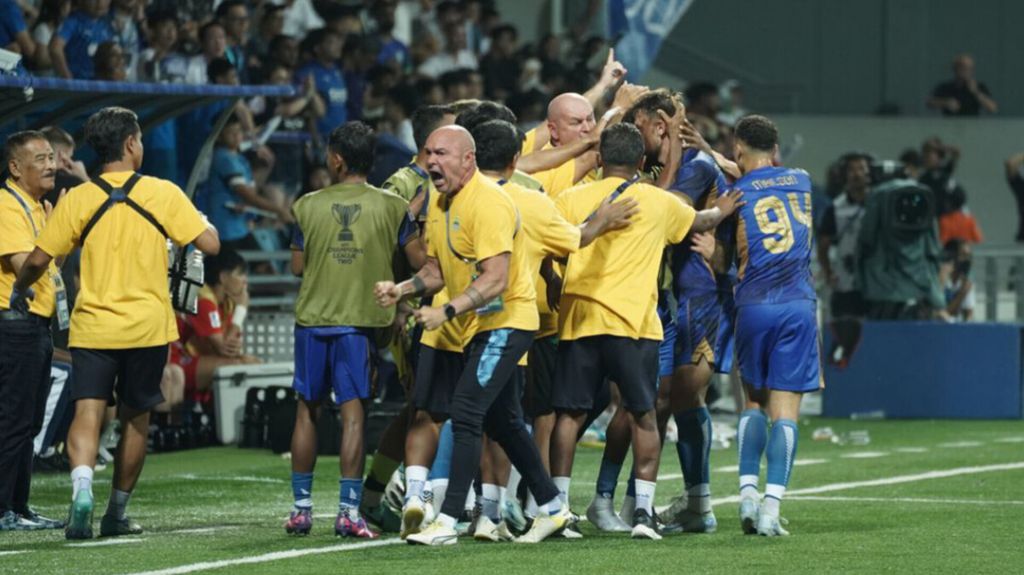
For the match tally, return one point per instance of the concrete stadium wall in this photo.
(984, 144)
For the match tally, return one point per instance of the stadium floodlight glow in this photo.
(9, 60)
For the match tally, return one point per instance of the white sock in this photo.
(81, 478)
(446, 520)
(513, 481)
(415, 480)
(772, 498)
(748, 486)
(489, 500)
(440, 488)
(531, 505)
(502, 496)
(698, 498)
(471, 498)
(118, 504)
(645, 495)
(562, 483)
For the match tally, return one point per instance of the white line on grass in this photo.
(275, 556)
(864, 454)
(241, 478)
(901, 500)
(959, 444)
(199, 530)
(4, 553)
(911, 450)
(940, 474)
(1014, 439)
(107, 542)
(735, 468)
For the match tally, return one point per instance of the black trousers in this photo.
(486, 400)
(25, 353)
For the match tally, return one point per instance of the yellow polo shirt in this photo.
(124, 301)
(547, 234)
(18, 231)
(477, 223)
(611, 286)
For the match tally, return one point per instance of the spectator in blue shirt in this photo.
(13, 32)
(329, 82)
(233, 15)
(74, 45)
(391, 51)
(230, 192)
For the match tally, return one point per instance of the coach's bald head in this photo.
(570, 118)
(451, 158)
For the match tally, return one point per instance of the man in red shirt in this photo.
(213, 337)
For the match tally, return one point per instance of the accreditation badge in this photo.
(63, 311)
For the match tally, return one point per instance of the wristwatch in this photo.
(449, 311)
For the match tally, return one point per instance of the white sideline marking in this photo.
(901, 500)
(3, 553)
(736, 468)
(199, 530)
(911, 449)
(721, 500)
(958, 444)
(242, 478)
(1015, 439)
(107, 542)
(890, 480)
(277, 555)
(864, 454)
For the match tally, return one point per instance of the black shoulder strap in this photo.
(118, 196)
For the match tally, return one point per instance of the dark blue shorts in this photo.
(778, 346)
(666, 349)
(332, 359)
(704, 330)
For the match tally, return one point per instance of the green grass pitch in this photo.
(923, 497)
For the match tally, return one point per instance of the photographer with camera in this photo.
(956, 280)
(837, 238)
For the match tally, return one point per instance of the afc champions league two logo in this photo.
(346, 215)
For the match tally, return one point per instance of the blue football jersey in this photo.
(774, 236)
(700, 179)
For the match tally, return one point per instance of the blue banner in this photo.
(641, 26)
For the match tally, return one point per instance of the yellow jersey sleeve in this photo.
(560, 238)
(557, 180)
(679, 218)
(180, 219)
(61, 232)
(529, 141)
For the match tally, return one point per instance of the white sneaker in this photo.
(771, 526)
(412, 517)
(601, 513)
(645, 526)
(486, 530)
(546, 525)
(435, 534)
(749, 510)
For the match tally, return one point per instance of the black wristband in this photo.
(449, 311)
(418, 287)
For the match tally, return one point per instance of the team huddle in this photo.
(550, 275)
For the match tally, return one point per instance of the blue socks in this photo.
(694, 445)
(350, 493)
(302, 490)
(781, 452)
(752, 437)
(443, 459)
(608, 478)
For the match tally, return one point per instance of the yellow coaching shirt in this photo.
(123, 301)
(611, 286)
(18, 231)
(478, 223)
(529, 142)
(547, 234)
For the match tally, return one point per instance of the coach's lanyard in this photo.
(60, 292)
(615, 195)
